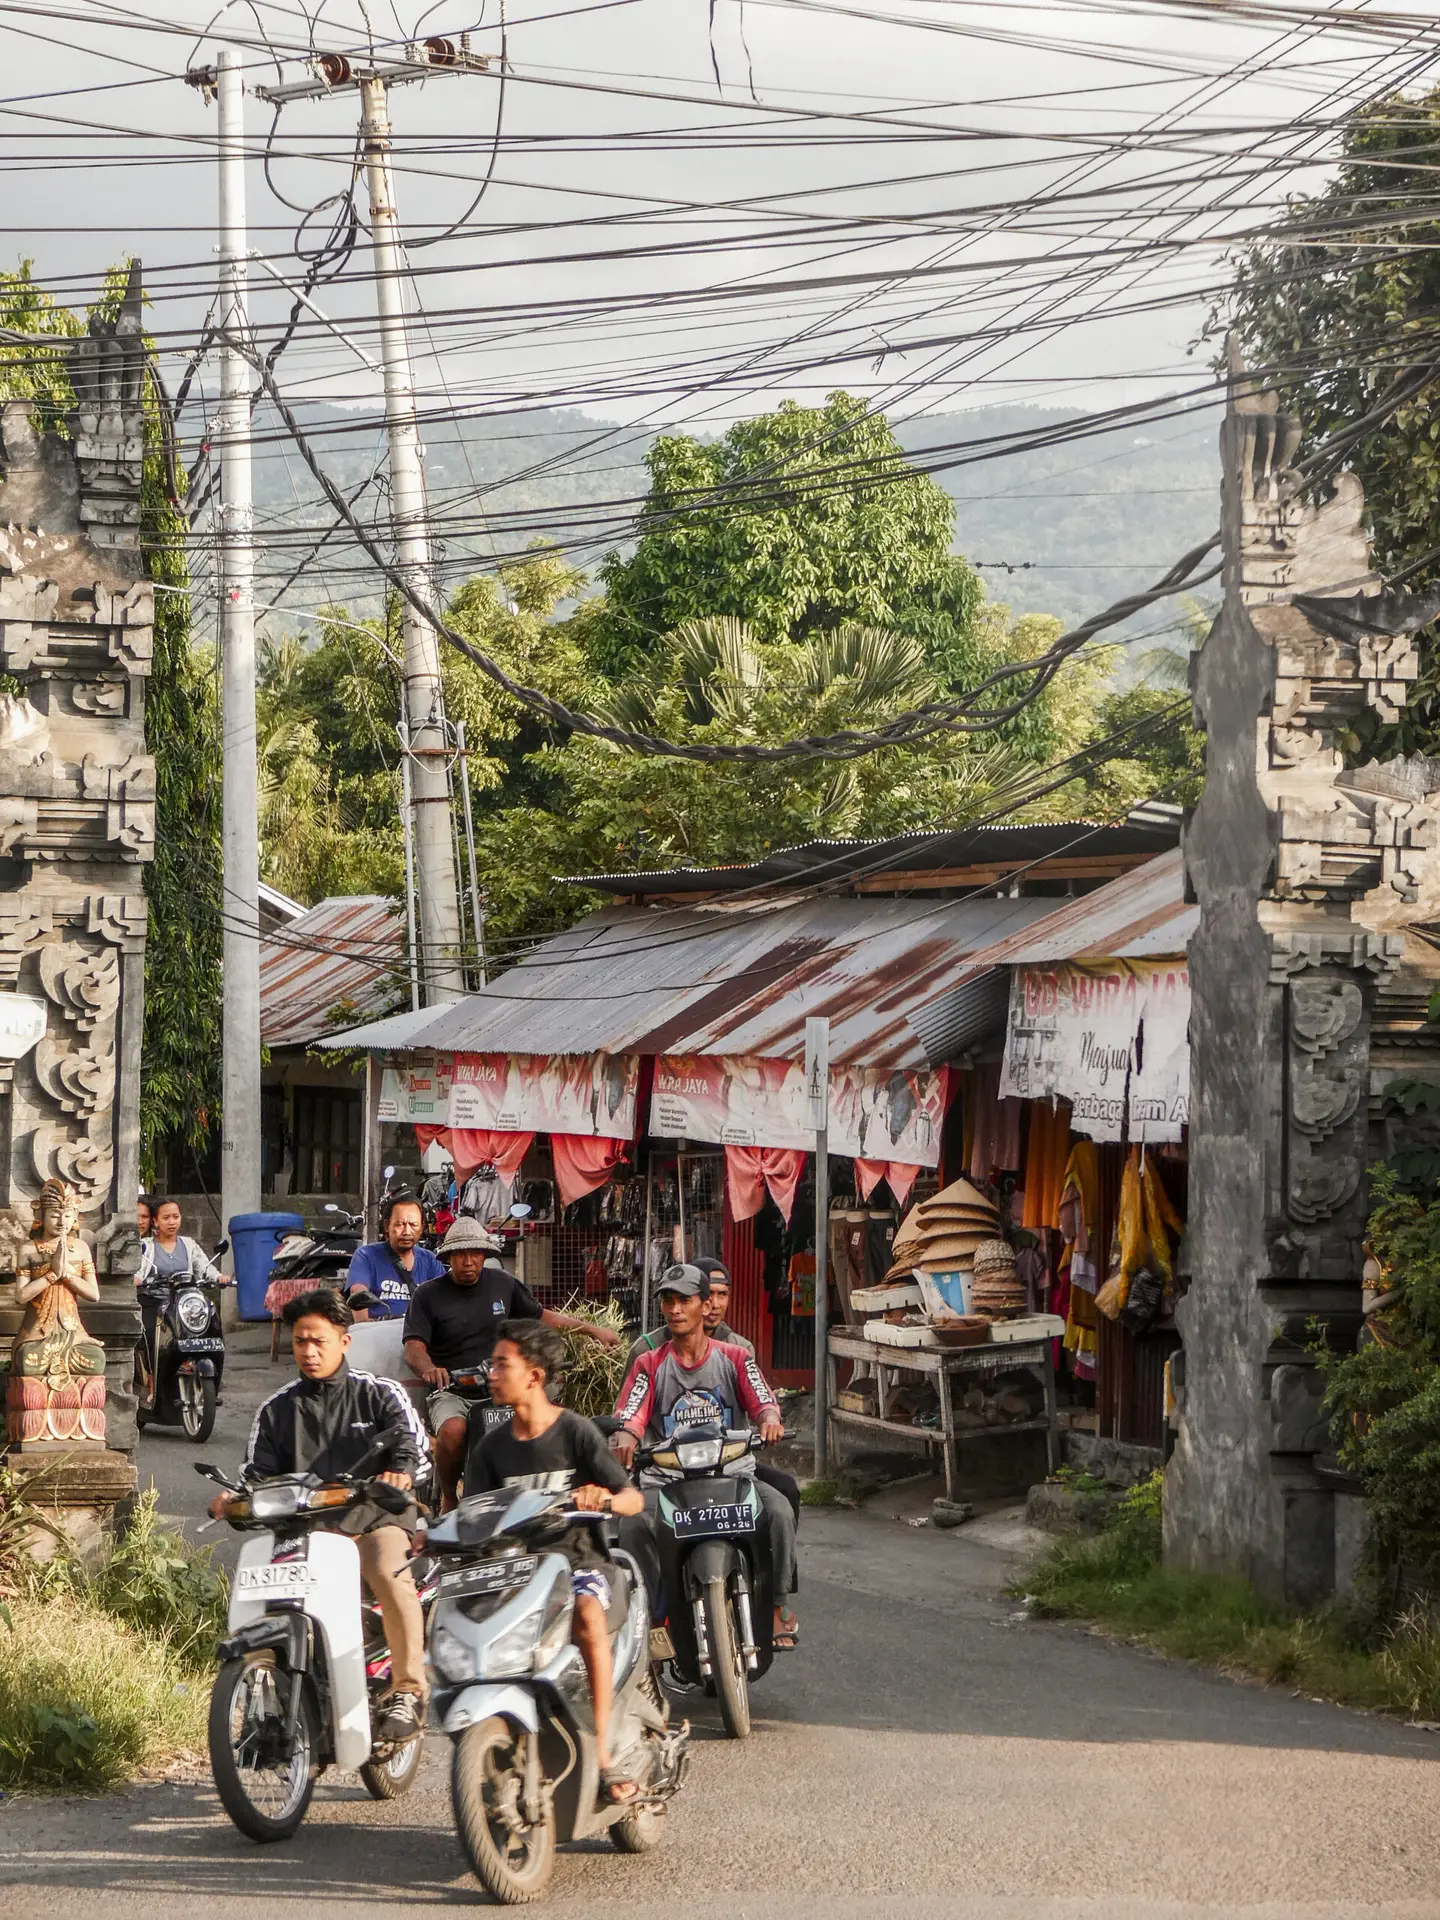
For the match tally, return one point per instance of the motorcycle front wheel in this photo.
(727, 1661)
(511, 1859)
(393, 1776)
(264, 1792)
(198, 1400)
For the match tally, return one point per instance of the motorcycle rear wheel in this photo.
(513, 1864)
(267, 1799)
(197, 1397)
(390, 1778)
(639, 1832)
(727, 1662)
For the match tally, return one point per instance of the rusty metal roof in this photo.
(1142, 914)
(818, 862)
(718, 980)
(338, 962)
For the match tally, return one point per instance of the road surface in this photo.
(924, 1753)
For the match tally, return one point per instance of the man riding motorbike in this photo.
(384, 1274)
(451, 1327)
(689, 1378)
(548, 1446)
(333, 1420)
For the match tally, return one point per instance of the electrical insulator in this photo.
(441, 52)
(333, 68)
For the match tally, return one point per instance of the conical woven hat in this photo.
(938, 1244)
(962, 1193)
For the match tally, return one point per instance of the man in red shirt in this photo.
(693, 1380)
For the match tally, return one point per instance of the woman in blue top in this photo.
(388, 1271)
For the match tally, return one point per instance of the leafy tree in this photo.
(179, 1074)
(1342, 302)
(823, 534)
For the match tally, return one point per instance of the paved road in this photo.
(924, 1753)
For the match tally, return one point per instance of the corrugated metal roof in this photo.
(830, 860)
(1141, 915)
(962, 1018)
(712, 980)
(342, 954)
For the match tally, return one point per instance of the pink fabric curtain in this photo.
(427, 1136)
(749, 1171)
(899, 1175)
(472, 1147)
(582, 1164)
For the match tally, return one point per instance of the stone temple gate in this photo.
(77, 824)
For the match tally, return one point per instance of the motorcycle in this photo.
(323, 1257)
(512, 1693)
(180, 1354)
(304, 1664)
(715, 1567)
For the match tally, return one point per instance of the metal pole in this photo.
(649, 1217)
(424, 705)
(404, 733)
(477, 907)
(817, 1082)
(240, 1021)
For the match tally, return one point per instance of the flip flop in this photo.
(613, 1777)
(786, 1636)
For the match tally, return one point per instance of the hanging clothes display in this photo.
(898, 1176)
(1047, 1157)
(583, 1163)
(1142, 1275)
(1079, 1217)
(752, 1171)
(993, 1130)
(472, 1147)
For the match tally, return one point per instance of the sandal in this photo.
(612, 1778)
(786, 1636)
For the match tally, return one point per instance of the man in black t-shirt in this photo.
(549, 1447)
(451, 1326)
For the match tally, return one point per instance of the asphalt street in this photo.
(924, 1752)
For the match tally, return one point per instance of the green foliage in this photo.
(594, 1374)
(806, 549)
(1343, 312)
(1387, 1392)
(1119, 1580)
(28, 373)
(154, 1580)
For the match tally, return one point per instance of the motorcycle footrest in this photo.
(662, 1647)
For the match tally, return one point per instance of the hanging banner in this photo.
(739, 1101)
(1109, 1036)
(416, 1089)
(590, 1094)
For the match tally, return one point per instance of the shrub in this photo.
(153, 1579)
(85, 1700)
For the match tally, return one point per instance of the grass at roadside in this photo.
(103, 1671)
(1117, 1580)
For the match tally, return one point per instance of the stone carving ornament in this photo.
(57, 1372)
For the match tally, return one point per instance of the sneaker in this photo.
(402, 1716)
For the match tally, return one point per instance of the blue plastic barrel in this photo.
(253, 1240)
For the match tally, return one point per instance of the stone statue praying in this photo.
(57, 1372)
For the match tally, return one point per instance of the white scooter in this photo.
(305, 1659)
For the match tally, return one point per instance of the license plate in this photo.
(285, 1576)
(201, 1346)
(494, 1577)
(492, 1417)
(693, 1521)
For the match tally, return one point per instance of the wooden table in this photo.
(943, 1366)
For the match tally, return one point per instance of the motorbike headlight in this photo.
(452, 1658)
(276, 1503)
(193, 1311)
(536, 1637)
(693, 1454)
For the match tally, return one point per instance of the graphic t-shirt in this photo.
(571, 1453)
(459, 1325)
(378, 1270)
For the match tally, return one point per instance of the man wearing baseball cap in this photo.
(451, 1327)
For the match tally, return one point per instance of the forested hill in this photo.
(1079, 523)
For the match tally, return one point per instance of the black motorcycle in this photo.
(715, 1572)
(180, 1355)
(323, 1257)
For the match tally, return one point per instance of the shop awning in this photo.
(328, 966)
(724, 980)
(1142, 915)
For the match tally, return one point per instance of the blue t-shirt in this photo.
(377, 1270)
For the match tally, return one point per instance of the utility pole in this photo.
(427, 746)
(240, 1024)
(817, 1095)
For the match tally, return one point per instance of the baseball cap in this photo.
(718, 1271)
(467, 1235)
(687, 1279)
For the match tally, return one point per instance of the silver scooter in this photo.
(511, 1690)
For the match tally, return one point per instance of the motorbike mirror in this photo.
(330, 1207)
(221, 1246)
(208, 1472)
(521, 1210)
(389, 1173)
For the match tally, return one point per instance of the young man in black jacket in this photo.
(333, 1420)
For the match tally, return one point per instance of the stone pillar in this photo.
(1303, 974)
(77, 824)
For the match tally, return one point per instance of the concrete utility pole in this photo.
(240, 1122)
(817, 1094)
(440, 940)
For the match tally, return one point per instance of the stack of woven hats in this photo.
(944, 1234)
(994, 1289)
